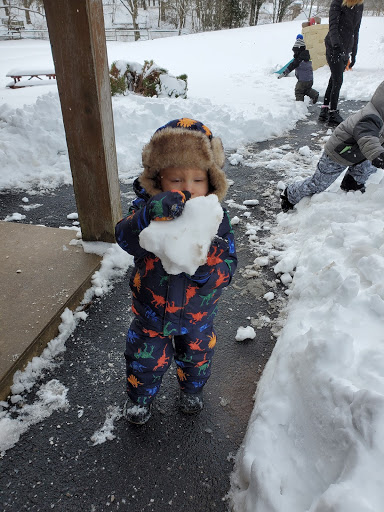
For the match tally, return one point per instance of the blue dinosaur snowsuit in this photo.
(174, 314)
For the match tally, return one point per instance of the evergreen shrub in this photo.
(148, 79)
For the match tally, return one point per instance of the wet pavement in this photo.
(173, 462)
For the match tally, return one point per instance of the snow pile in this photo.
(52, 396)
(32, 145)
(315, 440)
(182, 244)
(238, 100)
(15, 420)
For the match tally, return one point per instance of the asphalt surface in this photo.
(174, 462)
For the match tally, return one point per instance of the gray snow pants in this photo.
(326, 173)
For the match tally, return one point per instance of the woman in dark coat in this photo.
(340, 44)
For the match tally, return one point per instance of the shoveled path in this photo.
(174, 462)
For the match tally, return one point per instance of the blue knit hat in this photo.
(299, 36)
(184, 143)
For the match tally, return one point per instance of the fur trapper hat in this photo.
(184, 143)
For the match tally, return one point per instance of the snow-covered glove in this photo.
(167, 205)
(379, 161)
(283, 74)
(352, 63)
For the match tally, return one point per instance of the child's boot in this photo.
(191, 403)
(315, 98)
(350, 184)
(334, 118)
(136, 413)
(324, 111)
(285, 204)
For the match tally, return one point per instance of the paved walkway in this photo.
(41, 274)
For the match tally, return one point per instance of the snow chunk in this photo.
(305, 151)
(14, 216)
(99, 248)
(235, 159)
(245, 333)
(286, 278)
(182, 244)
(261, 261)
(106, 431)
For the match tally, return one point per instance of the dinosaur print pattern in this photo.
(193, 359)
(173, 314)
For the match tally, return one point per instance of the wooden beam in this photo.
(77, 37)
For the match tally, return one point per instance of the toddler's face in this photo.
(185, 178)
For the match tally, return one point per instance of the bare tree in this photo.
(255, 11)
(6, 8)
(27, 4)
(133, 9)
(181, 9)
(280, 8)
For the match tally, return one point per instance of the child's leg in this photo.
(300, 91)
(312, 93)
(193, 357)
(148, 355)
(361, 172)
(326, 173)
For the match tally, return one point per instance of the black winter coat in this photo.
(301, 64)
(344, 25)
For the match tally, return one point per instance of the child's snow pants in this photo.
(326, 173)
(148, 355)
(305, 89)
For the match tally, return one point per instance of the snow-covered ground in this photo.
(315, 440)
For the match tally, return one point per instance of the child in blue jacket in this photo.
(174, 313)
(302, 65)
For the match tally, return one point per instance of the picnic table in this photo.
(36, 77)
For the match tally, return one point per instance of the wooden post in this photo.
(77, 37)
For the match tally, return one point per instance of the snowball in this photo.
(182, 244)
(269, 296)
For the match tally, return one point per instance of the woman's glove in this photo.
(167, 205)
(379, 161)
